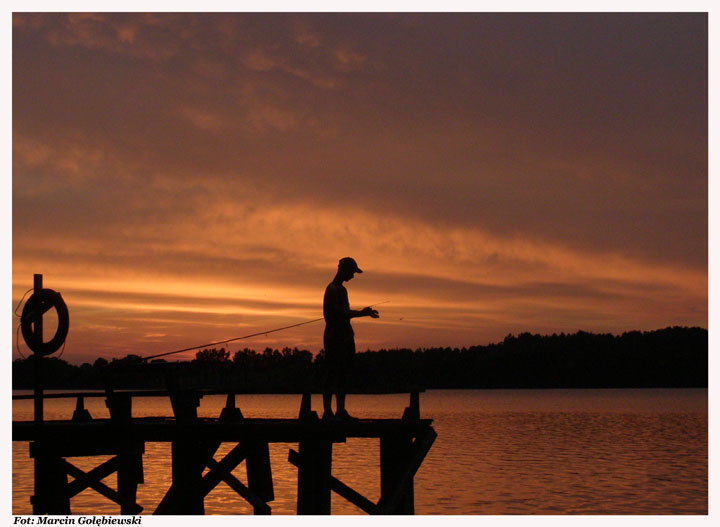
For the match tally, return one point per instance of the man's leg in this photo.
(327, 403)
(331, 379)
(346, 362)
(340, 401)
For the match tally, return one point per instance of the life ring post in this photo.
(38, 337)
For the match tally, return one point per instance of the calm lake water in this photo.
(497, 452)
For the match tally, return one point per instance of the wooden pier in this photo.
(404, 443)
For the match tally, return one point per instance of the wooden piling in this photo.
(314, 473)
(259, 489)
(395, 495)
(230, 412)
(259, 472)
(306, 412)
(400, 458)
(129, 453)
(81, 414)
(188, 460)
(413, 410)
(130, 475)
(340, 488)
(37, 358)
(50, 480)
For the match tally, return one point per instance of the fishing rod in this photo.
(243, 337)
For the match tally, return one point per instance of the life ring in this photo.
(36, 306)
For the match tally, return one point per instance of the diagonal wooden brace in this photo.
(217, 469)
(96, 474)
(253, 499)
(84, 479)
(221, 471)
(204, 484)
(337, 486)
(420, 448)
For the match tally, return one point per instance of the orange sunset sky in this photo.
(188, 178)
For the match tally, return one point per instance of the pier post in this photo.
(50, 481)
(259, 472)
(37, 358)
(130, 474)
(130, 451)
(314, 463)
(412, 412)
(314, 476)
(395, 455)
(81, 414)
(188, 459)
(230, 412)
(119, 406)
(187, 471)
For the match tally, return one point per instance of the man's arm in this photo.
(335, 309)
(365, 312)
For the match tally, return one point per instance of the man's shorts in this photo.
(339, 353)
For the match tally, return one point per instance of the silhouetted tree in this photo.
(212, 355)
(670, 357)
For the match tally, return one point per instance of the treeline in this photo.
(671, 357)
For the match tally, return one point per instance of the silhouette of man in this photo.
(339, 338)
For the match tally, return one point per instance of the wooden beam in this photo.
(163, 429)
(314, 472)
(100, 472)
(253, 499)
(412, 412)
(215, 475)
(130, 472)
(340, 488)
(50, 480)
(259, 471)
(39, 382)
(390, 501)
(81, 413)
(100, 488)
(351, 495)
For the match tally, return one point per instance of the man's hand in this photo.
(370, 312)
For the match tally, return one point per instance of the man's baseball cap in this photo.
(350, 264)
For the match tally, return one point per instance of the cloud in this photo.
(348, 57)
(305, 34)
(497, 172)
(205, 120)
(449, 282)
(259, 60)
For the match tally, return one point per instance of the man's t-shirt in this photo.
(336, 310)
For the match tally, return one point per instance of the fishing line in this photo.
(17, 342)
(243, 337)
(21, 300)
(17, 333)
(231, 340)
